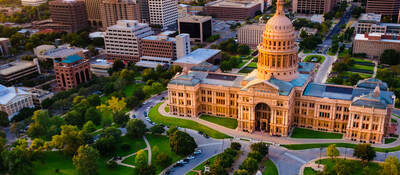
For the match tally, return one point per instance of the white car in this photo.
(197, 152)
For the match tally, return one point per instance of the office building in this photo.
(232, 9)
(93, 12)
(387, 8)
(199, 28)
(13, 99)
(38, 95)
(182, 45)
(113, 10)
(313, 6)
(122, 40)
(44, 52)
(72, 71)
(33, 3)
(198, 57)
(163, 12)
(165, 46)
(280, 95)
(5, 46)
(371, 23)
(100, 67)
(374, 44)
(12, 73)
(67, 15)
(251, 35)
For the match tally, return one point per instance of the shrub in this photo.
(125, 147)
(236, 146)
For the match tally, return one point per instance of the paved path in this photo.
(148, 148)
(244, 151)
(375, 69)
(235, 71)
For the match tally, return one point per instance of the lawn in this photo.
(135, 145)
(343, 145)
(362, 67)
(393, 120)
(390, 140)
(252, 65)
(309, 171)
(320, 59)
(155, 116)
(356, 166)
(396, 115)
(270, 168)
(129, 89)
(57, 160)
(246, 70)
(162, 142)
(307, 133)
(131, 160)
(361, 60)
(166, 108)
(201, 166)
(223, 121)
(363, 75)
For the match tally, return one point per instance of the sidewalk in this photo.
(267, 138)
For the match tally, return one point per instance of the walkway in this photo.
(375, 69)
(148, 148)
(235, 71)
(265, 137)
(244, 151)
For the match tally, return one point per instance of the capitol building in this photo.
(281, 95)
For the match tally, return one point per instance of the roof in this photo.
(370, 17)
(305, 67)
(371, 83)
(198, 56)
(159, 38)
(355, 94)
(8, 93)
(62, 52)
(232, 4)
(150, 64)
(207, 67)
(72, 59)
(211, 78)
(15, 66)
(195, 19)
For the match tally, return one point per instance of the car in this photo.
(167, 172)
(178, 164)
(201, 133)
(197, 152)
(190, 157)
(186, 161)
(133, 116)
(206, 136)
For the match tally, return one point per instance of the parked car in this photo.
(190, 157)
(197, 152)
(133, 116)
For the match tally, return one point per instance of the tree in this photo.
(250, 165)
(390, 57)
(163, 160)
(303, 34)
(40, 124)
(260, 147)
(114, 104)
(171, 130)
(365, 152)
(4, 119)
(135, 128)
(142, 166)
(390, 166)
(157, 129)
(157, 87)
(241, 172)
(85, 161)
(342, 168)
(120, 118)
(332, 151)
(182, 143)
(106, 145)
(94, 100)
(18, 160)
(255, 155)
(89, 127)
(92, 114)
(69, 140)
(23, 114)
(243, 49)
(74, 118)
(236, 146)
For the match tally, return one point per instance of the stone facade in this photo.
(313, 6)
(280, 94)
(72, 71)
(374, 44)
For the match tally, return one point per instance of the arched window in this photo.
(78, 81)
(87, 74)
(63, 79)
(82, 77)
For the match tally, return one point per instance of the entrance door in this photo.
(263, 117)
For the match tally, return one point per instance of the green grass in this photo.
(252, 64)
(393, 120)
(128, 90)
(270, 168)
(309, 171)
(307, 133)
(201, 166)
(363, 75)
(57, 160)
(362, 67)
(246, 70)
(131, 160)
(396, 115)
(223, 121)
(361, 60)
(162, 142)
(135, 145)
(155, 116)
(306, 51)
(320, 59)
(390, 140)
(166, 108)
(343, 145)
(356, 166)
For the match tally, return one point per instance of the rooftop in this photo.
(15, 66)
(128, 24)
(71, 59)
(62, 52)
(361, 37)
(8, 93)
(370, 17)
(159, 38)
(195, 18)
(233, 4)
(102, 62)
(198, 56)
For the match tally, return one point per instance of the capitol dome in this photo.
(278, 52)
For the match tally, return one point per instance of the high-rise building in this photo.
(93, 11)
(113, 10)
(163, 12)
(279, 95)
(182, 45)
(371, 23)
(387, 8)
(374, 44)
(33, 3)
(72, 71)
(5, 46)
(68, 15)
(122, 40)
(232, 9)
(198, 27)
(251, 35)
(313, 6)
